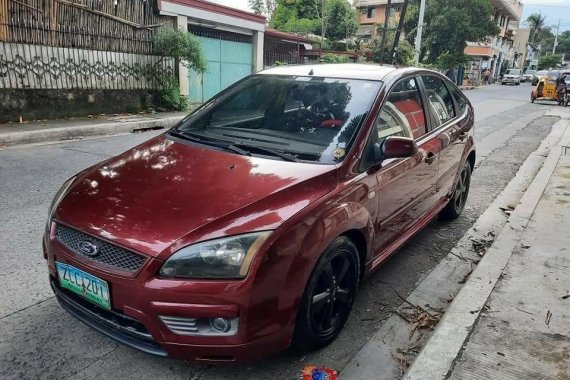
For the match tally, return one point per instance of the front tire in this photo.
(328, 297)
(457, 202)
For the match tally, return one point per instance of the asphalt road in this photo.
(39, 340)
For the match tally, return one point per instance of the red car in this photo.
(247, 228)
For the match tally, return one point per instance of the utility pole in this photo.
(420, 30)
(556, 38)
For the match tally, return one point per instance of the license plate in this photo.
(88, 286)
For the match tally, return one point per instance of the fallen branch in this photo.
(405, 300)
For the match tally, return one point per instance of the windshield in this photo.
(513, 72)
(553, 75)
(306, 118)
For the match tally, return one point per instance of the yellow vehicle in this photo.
(545, 89)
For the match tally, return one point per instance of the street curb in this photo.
(82, 131)
(375, 359)
(437, 357)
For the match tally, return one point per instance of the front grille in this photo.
(108, 253)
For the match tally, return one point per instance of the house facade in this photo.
(372, 13)
(496, 50)
(232, 40)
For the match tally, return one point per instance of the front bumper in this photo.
(139, 301)
(510, 80)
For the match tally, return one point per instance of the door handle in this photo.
(462, 136)
(430, 158)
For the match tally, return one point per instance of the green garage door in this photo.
(230, 58)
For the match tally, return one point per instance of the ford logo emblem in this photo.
(88, 248)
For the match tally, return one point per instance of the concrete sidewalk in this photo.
(55, 130)
(511, 320)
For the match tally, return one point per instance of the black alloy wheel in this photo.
(329, 296)
(457, 202)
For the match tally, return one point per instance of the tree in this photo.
(536, 23)
(342, 20)
(448, 27)
(295, 16)
(182, 47)
(549, 61)
(262, 7)
(404, 53)
(564, 43)
(257, 6)
(333, 19)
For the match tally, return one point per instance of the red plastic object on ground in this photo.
(312, 372)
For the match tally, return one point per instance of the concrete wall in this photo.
(40, 104)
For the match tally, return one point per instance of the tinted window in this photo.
(402, 114)
(459, 99)
(311, 118)
(440, 99)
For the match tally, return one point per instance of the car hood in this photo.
(150, 197)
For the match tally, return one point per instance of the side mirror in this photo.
(395, 147)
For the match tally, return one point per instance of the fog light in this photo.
(220, 324)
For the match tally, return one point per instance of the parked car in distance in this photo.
(247, 228)
(536, 77)
(528, 75)
(512, 76)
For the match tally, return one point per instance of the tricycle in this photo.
(546, 87)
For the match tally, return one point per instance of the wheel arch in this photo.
(471, 158)
(359, 240)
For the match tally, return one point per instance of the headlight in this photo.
(222, 258)
(58, 197)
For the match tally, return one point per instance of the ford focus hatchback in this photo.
(247, 228)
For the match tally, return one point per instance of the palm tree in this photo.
(536, 22)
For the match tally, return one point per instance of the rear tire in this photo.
(457, 202)
(328, 297)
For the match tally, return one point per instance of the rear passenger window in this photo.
(402, 114)
(459, 99)
(441, 102)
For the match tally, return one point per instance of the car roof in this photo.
(335, 70)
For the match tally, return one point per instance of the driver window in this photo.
(402, 114)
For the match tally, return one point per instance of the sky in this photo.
(552, 9)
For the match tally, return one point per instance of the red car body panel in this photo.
(165, 194)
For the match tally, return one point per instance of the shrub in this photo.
(183, 48)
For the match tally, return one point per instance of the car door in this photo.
(449, 123)
(406, 186)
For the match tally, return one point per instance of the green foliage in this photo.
(334, 58)
(182, 47)
(262, 7)
(404, 51)
(564, 42)
(307, 16)
(536, 22)
(549, 61)
(169, 96)
(448, 25)
(341, 19)
(451, 59)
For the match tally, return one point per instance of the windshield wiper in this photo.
(273, 152)
(240, 148)
(209, 141)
